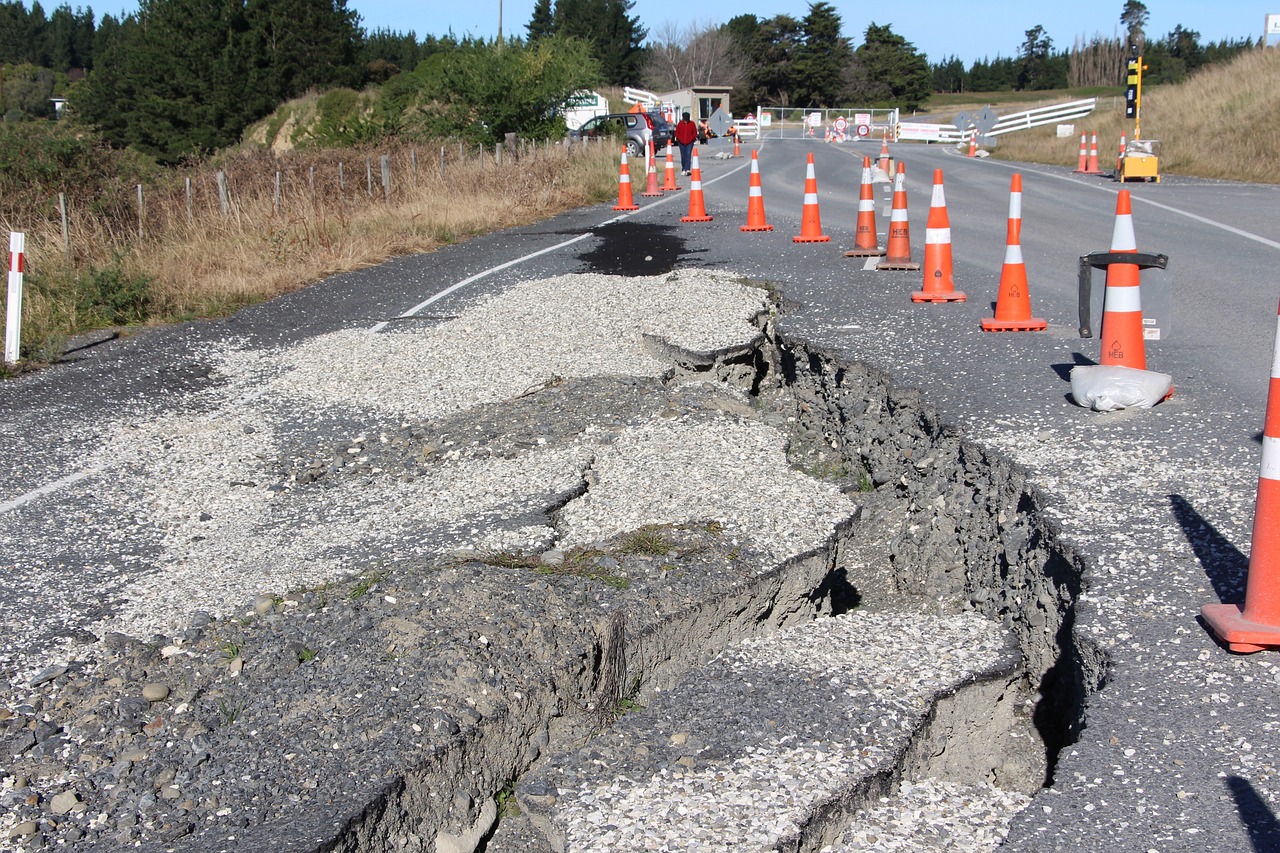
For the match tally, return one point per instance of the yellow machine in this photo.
(1141, 161)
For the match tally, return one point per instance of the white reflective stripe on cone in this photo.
(1122, 300)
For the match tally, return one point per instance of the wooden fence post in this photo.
(386, 178)
(223, 201)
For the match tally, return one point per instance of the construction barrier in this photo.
(1013, 301)
(625, 200)
(939, 283)
(697, 205)
(897, 255)
(755, 200)
(13, 315)
(1255, 626)
(810, 215)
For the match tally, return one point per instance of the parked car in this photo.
(633, 129)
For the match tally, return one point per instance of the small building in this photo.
(700, 101)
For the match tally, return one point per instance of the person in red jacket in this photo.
(686, 134)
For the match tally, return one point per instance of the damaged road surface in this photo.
(529, 600)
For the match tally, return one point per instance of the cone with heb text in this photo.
(625, 200)
(1091, 164)
(755, 200)
(897, 255)
(810, 216)
(651, 174)
(1013, 303)
(669, 178)
(1122, 340)
(865, 243)
(1256, 625)
(939, 284)
(697, 206)
(1084, 153)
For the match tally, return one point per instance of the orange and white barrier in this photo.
(865, 242)
(939, 283)
(897, 255)
(1013, 302)
(1121, 335)
(669, 178)
(651, 188)
(1256, 626)
(697, 205)
(1082, 166)
(755, 200)
(810, 215)
(13, 315)
(625, 199)
(1091, 167)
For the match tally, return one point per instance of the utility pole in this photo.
(499, 23)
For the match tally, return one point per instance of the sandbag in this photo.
(1107, 387)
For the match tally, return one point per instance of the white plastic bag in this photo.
(1107, 387)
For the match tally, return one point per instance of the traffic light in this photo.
(1131, 88)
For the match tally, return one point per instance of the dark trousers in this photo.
(686, 157)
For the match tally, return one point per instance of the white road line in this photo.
(407, 315)
(1230, 229)
(47, 489)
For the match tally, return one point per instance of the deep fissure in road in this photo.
(944, 524)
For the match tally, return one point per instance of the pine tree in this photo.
(541, 23)
(821, 57)
(891, 70)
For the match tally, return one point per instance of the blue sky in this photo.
(969, 29)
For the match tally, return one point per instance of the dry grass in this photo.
(1224, 122)
(267, 244)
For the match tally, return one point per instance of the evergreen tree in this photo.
(296, 44)
(767, 49)
(888, 71)
(1134, 17)
(1036, 66)
(820, 58)
(540, 24)
(616, 38)
(949, 75)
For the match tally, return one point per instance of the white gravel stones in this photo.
(568, 326)
(881, 672)
(210, 485)
(929, 815)
(732, 471)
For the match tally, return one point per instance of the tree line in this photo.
(182, 78)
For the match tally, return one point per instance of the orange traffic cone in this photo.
(898, 254)
(1084, 152)
(1256, 625)
(939, 285)
(737, 148)
(973, 143)
(625, 201)
(1120, 155)
(755, 200)
(1013, 303)
(697, 207)
(669, 179)
(883, 165)
(1122, 341)
(810, 216)
(651, 174)
(1092, 162)
(865, 243)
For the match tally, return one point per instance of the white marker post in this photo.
(13, 319)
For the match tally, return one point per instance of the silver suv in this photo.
(636, 128)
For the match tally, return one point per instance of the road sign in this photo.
(864, 130)
(985, 120)
(841, 124)
(720, 122)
